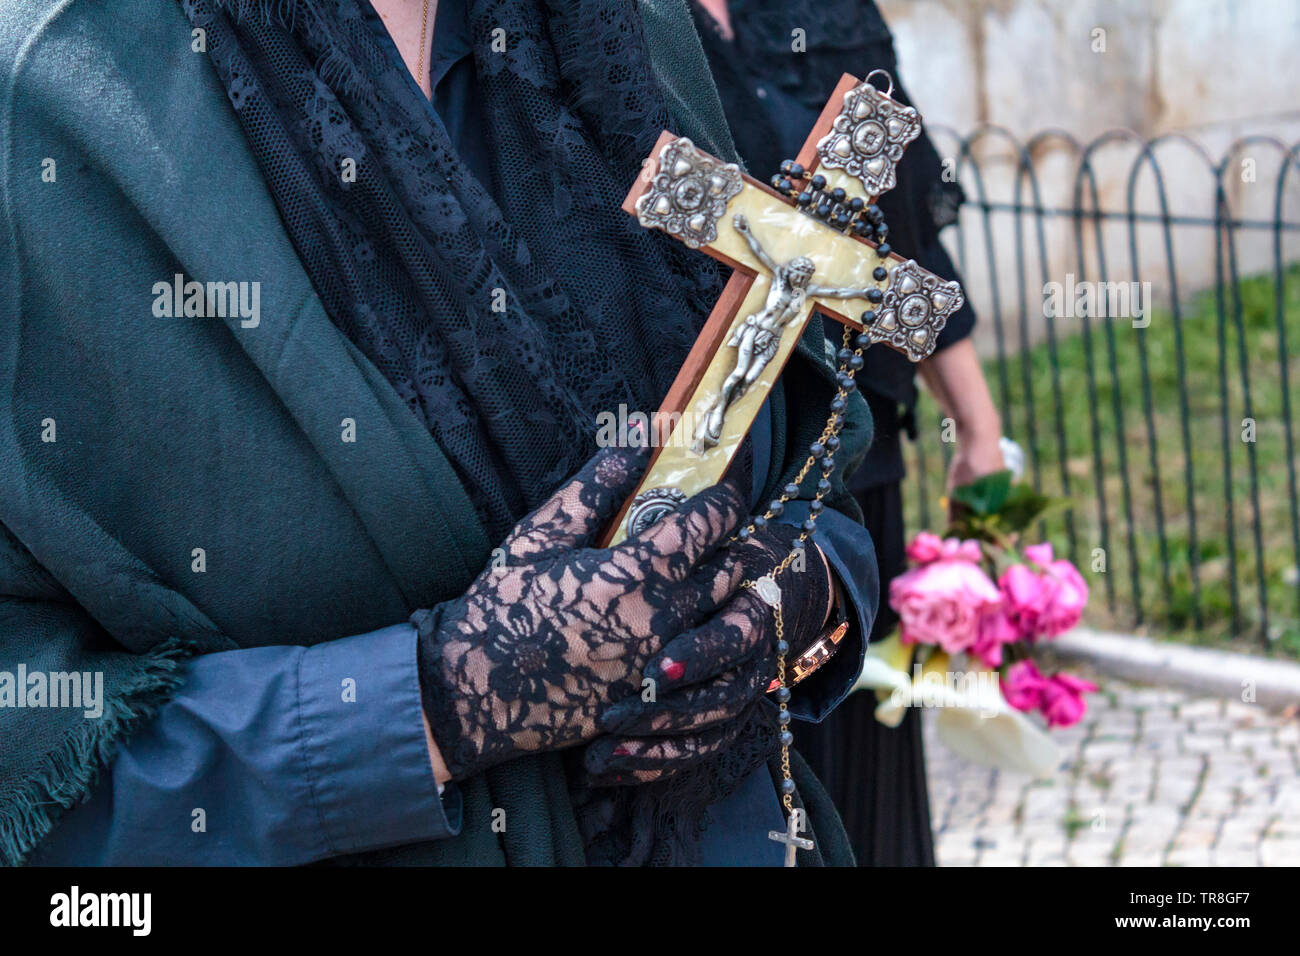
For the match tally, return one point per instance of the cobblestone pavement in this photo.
(1152, 777)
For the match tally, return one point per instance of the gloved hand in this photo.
(711, 679)
(527, 658)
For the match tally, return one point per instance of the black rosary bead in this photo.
(791, 490)
(742, 534)
(796, 171)
(839, 403)
(875, 295)
(804, 198)
(867, 318)
(787, 785)
(863, 340)
(856, 204)
(786, 166)
(759, 521)
(783, 695)
(833, 442)
(824, 210)
(838, 194)
(797, 544)
(856, 363)
(884, 249)
(823, 486)
(816, 449)
(815, 507)
(828, 464)
(862, 227)
(777, 507)
(783, 647)
(843, 355)
(880, 273)
(783, 718)
(874, 213)
(819, 182)
(786, 738)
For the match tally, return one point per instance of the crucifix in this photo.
(790, 837)
(795, 246)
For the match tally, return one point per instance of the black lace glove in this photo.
(525, 660)
(710, 681)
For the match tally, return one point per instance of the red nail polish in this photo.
(673, 670)
(621, 751)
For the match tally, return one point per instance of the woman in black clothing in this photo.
(775, 65)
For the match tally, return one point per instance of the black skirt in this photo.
(876, 774)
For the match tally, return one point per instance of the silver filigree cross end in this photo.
(689, 193)
(868, 137)
(915, 309)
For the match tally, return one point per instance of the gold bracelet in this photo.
(822, 649)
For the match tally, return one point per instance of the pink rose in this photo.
(1023, 686)
(1068, 600)
(1045, 604)
(942, 603)
(1026, 597)
(1040, 554)
(954, 549)
(925, 547)
(995, 629)
(1062, 699)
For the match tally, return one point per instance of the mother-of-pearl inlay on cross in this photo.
(786, 264)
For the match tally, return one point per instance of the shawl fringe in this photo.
(29, 812)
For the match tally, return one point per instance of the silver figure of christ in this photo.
(758, 338)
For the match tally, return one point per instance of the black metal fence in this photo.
(1154, 391)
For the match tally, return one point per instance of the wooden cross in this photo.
(786, 263)
(790, 837)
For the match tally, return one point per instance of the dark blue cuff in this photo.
(852, 556)
(363, 742)
(272, 756)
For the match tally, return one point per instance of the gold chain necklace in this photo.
(424, 32)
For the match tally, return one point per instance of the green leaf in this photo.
(985, 495)
(1024, 506)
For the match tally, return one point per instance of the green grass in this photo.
(1169, 613)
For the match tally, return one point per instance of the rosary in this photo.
(844, 214)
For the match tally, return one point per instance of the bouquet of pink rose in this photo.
(978, 592)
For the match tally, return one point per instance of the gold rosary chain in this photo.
(827, 432)
(424, 32)
(787, 798)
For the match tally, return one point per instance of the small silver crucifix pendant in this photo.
(793, 842)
